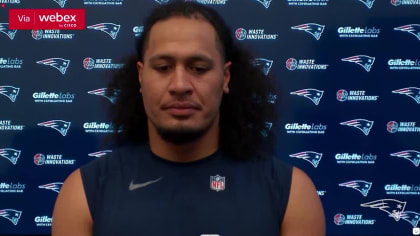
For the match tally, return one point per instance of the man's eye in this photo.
(163, 68)
(199, 69)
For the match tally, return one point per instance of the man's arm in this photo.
(71, 212)
(304, 214)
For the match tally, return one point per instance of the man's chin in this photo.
(180, 135)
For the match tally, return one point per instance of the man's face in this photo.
(183, 77)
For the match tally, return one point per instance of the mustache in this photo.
(181, 105)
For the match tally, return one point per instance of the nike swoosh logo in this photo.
(133, 186)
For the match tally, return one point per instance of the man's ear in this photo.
(140, 66)
(226, 76)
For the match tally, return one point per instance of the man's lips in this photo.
(181, 108)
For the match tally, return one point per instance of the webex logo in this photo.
(36, 19)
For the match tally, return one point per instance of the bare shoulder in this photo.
(71, 214)
(304, 213)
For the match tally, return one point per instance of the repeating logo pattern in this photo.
(11, 214)
(109, 28)
(362, 60)
(411, 155)
(58, 63)
(60, 125)
(310, 156)
(413, 29)
(314, 95)
(52, 186)
(363, 125)
(10, 154)
(312, 28)
(10, 92)
(360, 185)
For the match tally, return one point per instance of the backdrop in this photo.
(347, 94)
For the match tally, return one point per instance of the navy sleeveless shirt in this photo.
(134, 192)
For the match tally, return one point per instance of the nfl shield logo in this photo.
(217, 183)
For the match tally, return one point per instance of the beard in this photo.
(180, 136)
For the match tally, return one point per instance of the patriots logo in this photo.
(110, 94)
(10, 92)
(4, 28)
(58, 63)
(162, 1)
(412, 92)
(311, 28)
(62, 3)
(368, 3)
(52, 186)
(412, 217)
(393, 207)
(12, 215)
(110, 28)
(267, 128)
(413, 29)
(313, 157)
(100, 153)
(411, 155)
(265, 3)
(360, 185)
(313, 94)
(361, 124)
(365, 61)
(59, 125)
(10, 154)
(263, 64)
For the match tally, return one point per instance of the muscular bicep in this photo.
(304, 213)
(71, 214)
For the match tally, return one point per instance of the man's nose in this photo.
(180, 83)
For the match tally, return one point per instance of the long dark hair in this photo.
(243, 111)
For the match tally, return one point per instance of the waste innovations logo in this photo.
(411, 92)
(43, 221)
(10, 154)
(104, 2)
(10, 187)
(10, 63)
(56, 186)
(53, 97)
(110, 94)
(305, 128)
(52, 159)
(51, 34)
(138, 30)
(311, 28)
(352, 219)
(355, 158)
(404, 64)
(254, 34)
(11, 214)
(361, 124)
(310, 156)
(360, 185)
(90, 63)
(355, 96)
(109, 28)
(210, 2)
(411, 155)
(402, 189)
(98, 127)
(362, 60)
(7, 125)
(10, 92)
(10, 1)
(307, 2)
(263, 64)
(314, 95)
(304, 64)
(402, 127)
(100, 153)
(405, 2)
(60, 125)
(4, 28)
(413, 29)
(58, 63)
(358, 32)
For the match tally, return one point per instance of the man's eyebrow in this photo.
(192, 58)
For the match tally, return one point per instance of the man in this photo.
(191, 106)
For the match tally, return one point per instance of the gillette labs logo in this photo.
(404, 189)
(96, 127)
(43, 221)
(304, 64)
(52, 97)
(12, 187)
(103, 2)
(10, 63)
(404, 64)
(358, 32)
(304, 128)
(138, 30)
(340, 219)
(355, 158)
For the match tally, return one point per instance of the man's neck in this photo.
(200, 148)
